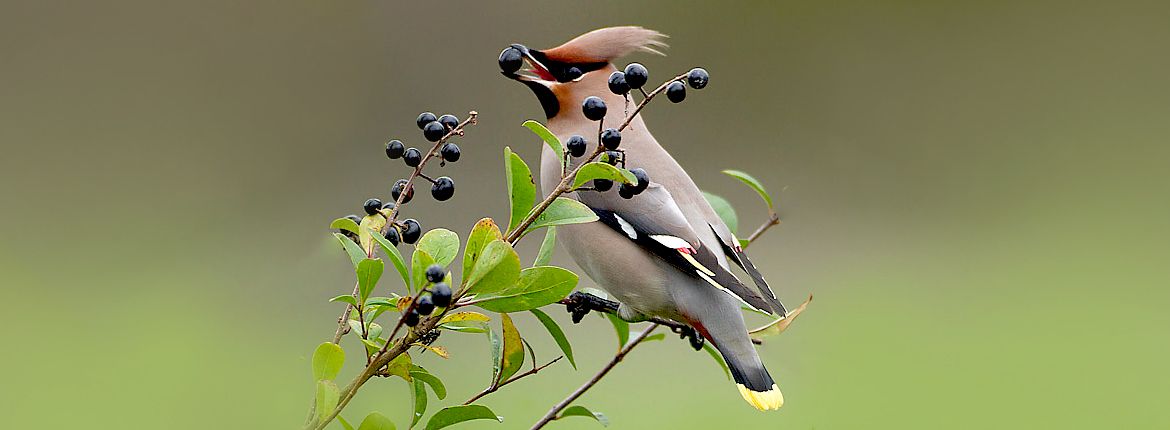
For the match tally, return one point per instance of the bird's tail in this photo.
(755, 384)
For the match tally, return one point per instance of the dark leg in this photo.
(579, 304)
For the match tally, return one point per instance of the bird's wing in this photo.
(734, 251)
(653, 220)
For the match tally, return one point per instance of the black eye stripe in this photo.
(560, 69)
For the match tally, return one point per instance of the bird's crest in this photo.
(608, 44)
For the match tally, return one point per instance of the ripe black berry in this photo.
(397, 190)
(611, 138)
(412, 156)
(424, 119)
(449, 121)
(443, 189)
(511, 60)
(388, 206)
(356, 219)
(594, 108)
(697, 78)
(411, 231)
(394, 149)
(636, 75)
(617, 83)
(612, 157)
(643, 180)
(424, 305)
(676, 91)
(576, 146)
(372, 205)
(434, 131)
(602, 184)
(411, 318)
(436, 273)
(626, 191)
(392, 235)
(572, 73)
(450, 152)
(441, 295)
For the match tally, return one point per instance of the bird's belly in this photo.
(626, 272)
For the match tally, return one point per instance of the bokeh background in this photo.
(976, 193)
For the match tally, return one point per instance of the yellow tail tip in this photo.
(763, 400)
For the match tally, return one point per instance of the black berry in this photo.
(394, 149)
(397, 191)
(676, 91)
(594, 108)
(388, 206)
(617, 83)
(411, 318)
(449, 121)
(572, 73)
(643, 179)
(636, 75)
(576, 146)
(356, 219)
(450, 152)
(511, 60)
(412, 157)
(626, 191)
(697, 78)
(443, 189)
(424, 119)
(602, 184)
(424, 305)
(372, 205)
(436, 273)
(411, 231)
(612, 157)
(611, 138)
(434, 131)
(441, 295)
(392, 235)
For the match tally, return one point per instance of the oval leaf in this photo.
(563, 211)
(546, 247)
(521, 188)
(557, 334)
(753, 183)
(370, 225)
(724, 209)
(581, 411)
(368, 273)
(420, 401)
(395, 258)
(420, 374)
(464, 316)
(497, 268)
(513, 356)
(599, 170)
(376, 421)
(482, 233)
(458, 414)
(327, 396)
(536, 287)
(345, 298)
(352, 249)
(497, 352)
(345, 224)
(418, 268)
(621, 327)
(441, 244)
(327, 361)
(549, 139)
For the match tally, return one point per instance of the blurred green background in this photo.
(975, 192)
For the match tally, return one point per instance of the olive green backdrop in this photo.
(975, 192)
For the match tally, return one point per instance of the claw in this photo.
(579, 304)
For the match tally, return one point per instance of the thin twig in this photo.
(552, 413)
(495, 388)
(773, 219)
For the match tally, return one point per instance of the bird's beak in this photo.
(534, 71)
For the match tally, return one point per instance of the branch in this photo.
(495, 388)
(552, 413)
(458, 130)
(773, 219)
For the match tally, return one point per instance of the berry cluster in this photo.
(439, 297)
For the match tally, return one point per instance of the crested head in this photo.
(607, 44)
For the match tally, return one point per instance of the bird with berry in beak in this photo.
(664, 252)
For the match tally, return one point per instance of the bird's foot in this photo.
(690, 335)
(579, 304)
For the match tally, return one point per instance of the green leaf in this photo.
(327, 396)
(457, 414)
(420, 374)
(418, 268)
(441, 244)
(718, 358)
(581, 411)
(724, 209)
(521, 188)
(327, 361)
(484, 231)
(536, 287)
(356, 255)
(368, 273)
(548, 138)
(376, 421)
(557, 334)
(370, 226)
(753, 183)
(621, 327)
(546, 247)
(345, 298)
(497, 268)
(513, 356)
(563, 211)
(743, 243)
(497, 353)
(373, 330)
(599, 170)
(464, 316)
(654, 337)
(420, 401)
(344, 423)
(400, 366)
(344, 224)
(465, 326)
(395, 257)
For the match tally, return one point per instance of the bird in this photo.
(664, 252)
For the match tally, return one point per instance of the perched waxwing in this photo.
(664, 252)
